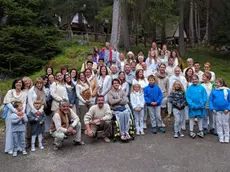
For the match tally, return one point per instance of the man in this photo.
(85, 64)
(129, 75)
(65, 122)
(171, 67)
(133, 68)
(189, 64)
(116, 54)
(99, 118)
(197, 71)
(147, 71)
(107, 54)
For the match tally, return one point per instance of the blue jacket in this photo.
(218, 102)
(196, 97)
(152, 94)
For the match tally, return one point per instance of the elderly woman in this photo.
(140, 61)
(28, 83)
(114, 71)
(13, 95)
(58, 92)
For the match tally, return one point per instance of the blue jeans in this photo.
(19, 138)
(123, 121)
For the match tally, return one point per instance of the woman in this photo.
(140, 61)
(130, 57)
(71, 91)
(58, 92)
(93, 84)
(105, 82)
(163, 58)
(73, 74)
(152, 61)
(122, 61)
(123, 83)
(188, 75)
(51, 79)
(95, 54)
(178, 60)
(13, 95)
(49, 71)
(28, 83)
(84, 94)
(140, 79)
(207, 68)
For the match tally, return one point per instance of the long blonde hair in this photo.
(154, 57)
(136, 84)
(174, 86)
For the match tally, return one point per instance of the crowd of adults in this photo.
(73, 100)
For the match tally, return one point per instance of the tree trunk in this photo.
(191, 24)
(197, 22)
(181, 30)
(206, 37)
(124, 40)
(114, 40)
(163, 33)
(154, 35)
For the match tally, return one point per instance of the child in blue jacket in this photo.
(219, 102)
(153, 97)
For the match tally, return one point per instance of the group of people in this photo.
(112, 85)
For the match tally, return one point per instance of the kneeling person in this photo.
(65, 123)
(99, 118)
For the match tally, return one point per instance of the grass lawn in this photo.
(73, 55)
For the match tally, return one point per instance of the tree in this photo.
(181, 30)
(191, 24)
(114, 40)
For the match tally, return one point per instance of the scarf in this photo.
(40, 95)
(84, 85)
(225, 90)
(160, 75)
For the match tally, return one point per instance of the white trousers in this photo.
(222, 125)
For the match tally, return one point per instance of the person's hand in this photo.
(36, 119)
(90, 133)
(96, 121)
(70, 105)
(41, 123)
(70, 130)
(137, 109)
(20, 113)
(214, 111)
(21, 117)
(38, 113)
(153, 103)
(74, 132)
(87, 101)
(225, 111)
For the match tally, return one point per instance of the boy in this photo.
(18, 129)
(153, 97)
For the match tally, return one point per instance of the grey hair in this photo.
(64, 101)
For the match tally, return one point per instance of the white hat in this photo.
(130, 53)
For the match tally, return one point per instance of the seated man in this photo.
(99, 118)
(118, 101)
(65, 122)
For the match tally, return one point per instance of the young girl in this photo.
(37, 125)
(209, 86)
(178, 101)
(196, 97)
(19, 120)
(138, 102)
(219, 102)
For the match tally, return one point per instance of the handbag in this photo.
(3, 111)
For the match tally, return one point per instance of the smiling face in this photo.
(64, 108)
(18, 85)
(67, 79)
(136, 88)
(73, 73)
(121, 76)
(140, 74)
(59, 77)
(177, 71)
(190, 63)
(100, 102)
(127, 69)
(116, 84)
(27, 84)
(39, 85)
(51, 79)
(82, 77)
(88, 73)
(197, 67)
(195, 80)
(190, 72)
(49, 71)
(103, 70)
(162, 69)
(206, 68)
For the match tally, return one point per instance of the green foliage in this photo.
(28, 39)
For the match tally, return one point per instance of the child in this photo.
(196, 97)
(219, 102)
(138, 102)
(19, 120)
(37, 125)
(178, 101)
(153, 97)
(209, 86)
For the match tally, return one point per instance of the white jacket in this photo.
(137, 99)
(180, 78)
(105, 86)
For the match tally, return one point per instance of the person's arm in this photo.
(159, 96)
(75, 118)
(146, 95)
(211, 99)
(78, 94)
(142, 101)
(15, 119)
(204, 97)
(30, 100)
(228, 100)
(170, 98)
(12, 109)
(108, 86)
(108, 114)
(25, 119)
(32, 117)
(89, 115)
(95, 89)
(43, 118)
(57, 123)
(127, 89)
(133, 101)
(112, 100)
(189, 100)
(53, 93)
(124, 98)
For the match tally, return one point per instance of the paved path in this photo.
(149, 153)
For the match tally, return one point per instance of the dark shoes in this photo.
(78, 143)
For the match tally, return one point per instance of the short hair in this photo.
(100, 96)
(39, 80)
(207, 63)
(141, 57)
(17, 104)
(196, 76)
(116, 79)
(14, 83)
(151, 77)
(101, 59)
(196, 63)
(189, 59)
(37, 102)
(63, 68)
(162, 64)
(64, 101)
(208, 75)
(89, 61)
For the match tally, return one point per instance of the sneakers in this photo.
(33, 148)
(192, 134)
(138, 133)
(107, 140)
(154, 130)
(205, 130)
(41, 147)
(213, 131)
(123, 138)
(15, 154)
(162, 129)
(142, 133)
(24, 153)
(10, 152)
(145, 125)
(176, 135)
(201, 134)
(78, 143)
(221, 140)
(180, 134)
(128, 137)
(226, 141)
